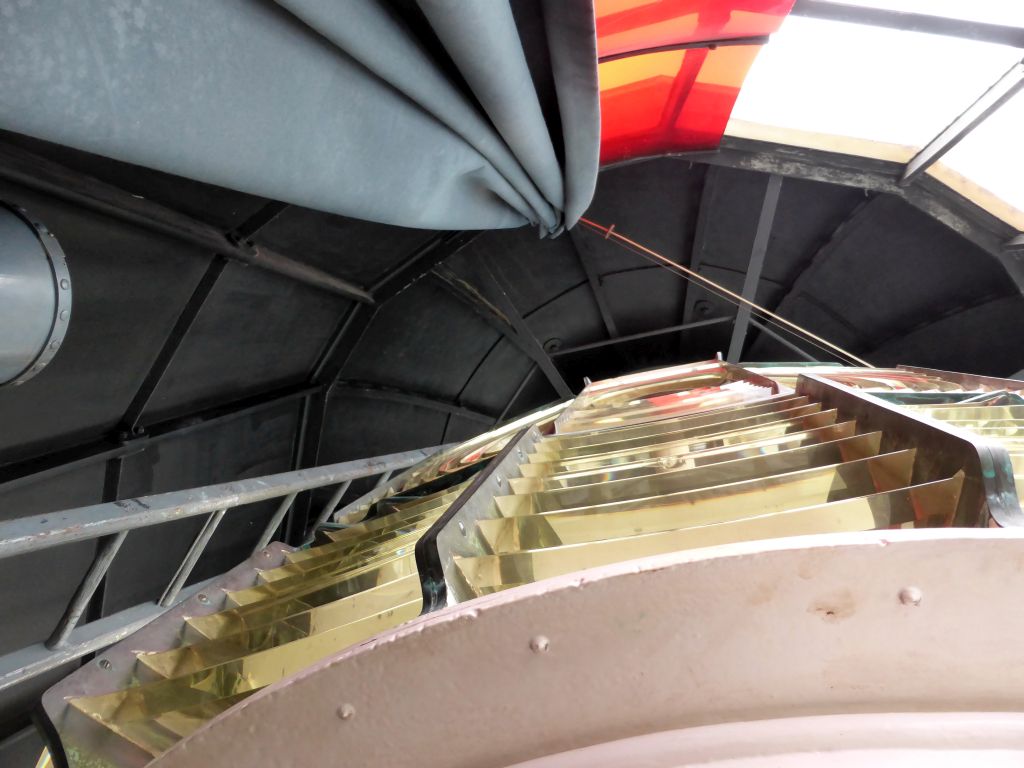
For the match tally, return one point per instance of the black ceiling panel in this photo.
(425, 341)
(128, 288)
(985, 339)
(255, 332)
(357, 428)
(496, 379)
(894, 268)
(360, 251)
(535, 270)
(250, 446)
(654, 202)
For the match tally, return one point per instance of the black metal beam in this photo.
(910, 22)
(157, 371)
(752, 279)
(643, 335)
(504, 318)
(998, 94)
(793, 347)
(57, 461)
(515, 395)
(584, 254)
(394, 395)
(420, 263)
(42, 175)
(257, 221)
(342, 344)
(928, 194)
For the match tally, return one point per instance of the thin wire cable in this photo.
(765, 314)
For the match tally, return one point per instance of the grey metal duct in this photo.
(35, 296)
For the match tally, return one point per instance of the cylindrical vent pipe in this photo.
(35, 296)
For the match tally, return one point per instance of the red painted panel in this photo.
(674, 100)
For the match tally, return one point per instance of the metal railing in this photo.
(111, 523)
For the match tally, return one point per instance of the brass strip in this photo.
(487, 573)
(608, 441)
(691, 478)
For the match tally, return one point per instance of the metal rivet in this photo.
(105, 664)
(519, 452)
(203, 599)
(501, 481)
(462, 528)
(911, 596)
(539, 644)
(346, 712)
(64, 314)
(54, 344)
(266, 553)
(65, 284)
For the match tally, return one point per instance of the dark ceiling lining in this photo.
(912, 290)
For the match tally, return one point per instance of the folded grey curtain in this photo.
(446, 114)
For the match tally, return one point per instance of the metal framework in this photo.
(110, 523)
(752, 279)
(910, 22)
(1001, 91)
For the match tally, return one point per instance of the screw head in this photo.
(203, 599)
(539, 644)
(462, 528)
(346, 712)
(105, 664)
(911, 596)
(64, 284)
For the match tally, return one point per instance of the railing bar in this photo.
(31, 534)
(194, 553)
(275, 521)
(331, 505)
(383, 479)
(105, 552)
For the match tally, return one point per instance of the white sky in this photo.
(896, 87)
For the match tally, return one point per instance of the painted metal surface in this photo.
(827, 625)
(35, 296)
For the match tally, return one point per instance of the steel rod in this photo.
(105, 552)
(643, 335)
(610, 232)
(752, 279)
(275, 521)
(330, 506)
(383, 479)
(1001, 91)
(784, 341)
(192, 557)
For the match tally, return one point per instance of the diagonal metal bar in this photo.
(105, 552)
(260, 219)
(583, 254)
(420, 263)
(192, 557)
(530, 342)
(642, 335)
(157, 371)
(766, 330)
(904, 21)
(328, 508)
(1001, 91)
(1014, 244)
(515, 395)
(758, 251)
(34, 172)
(275, 521)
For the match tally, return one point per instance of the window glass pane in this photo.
(867, 82)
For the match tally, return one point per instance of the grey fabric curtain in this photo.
(435, 115)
